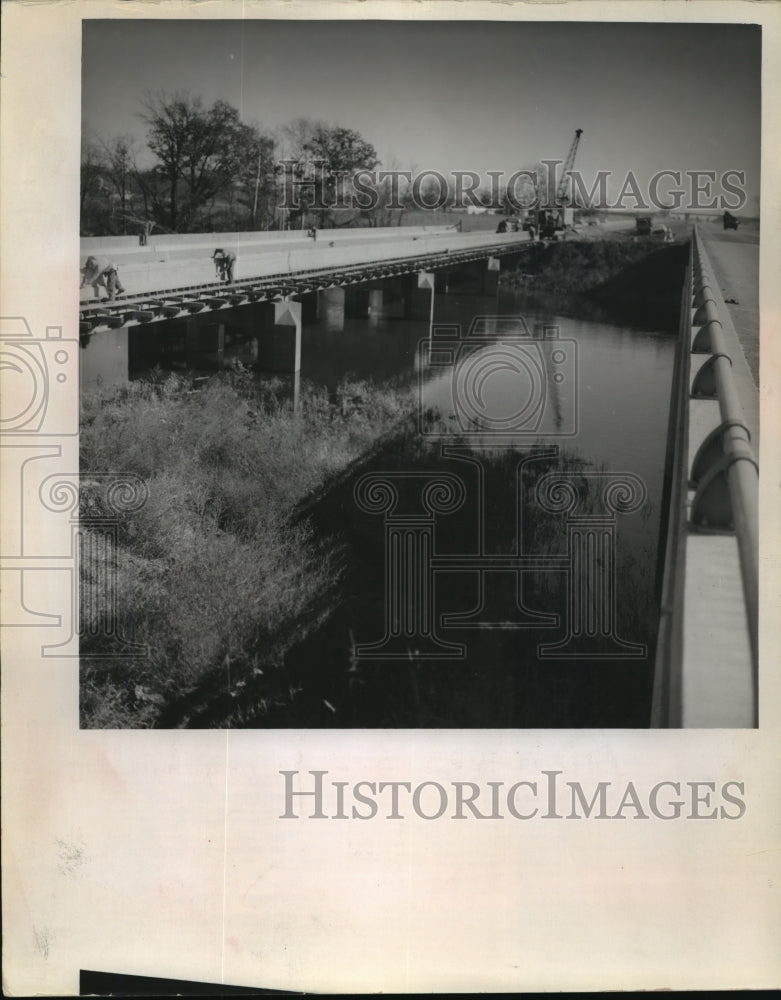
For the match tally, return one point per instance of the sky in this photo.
(456, 95)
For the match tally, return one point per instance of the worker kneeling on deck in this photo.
(223, 262)
(101, 274)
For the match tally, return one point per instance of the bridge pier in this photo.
(367, 300)
(408, 296)
(331, 307)
(376, 300)
(356, 301)
(310, 307)
(204, 341)
(479, 277)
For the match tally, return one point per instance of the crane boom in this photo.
(569, 163)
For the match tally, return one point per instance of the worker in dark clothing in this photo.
(146, 232)
(101, 274)
(224, 261)
(502, 227)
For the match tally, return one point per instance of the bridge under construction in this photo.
(707, 655)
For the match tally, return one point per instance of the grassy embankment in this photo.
(214, 563)
(633, 277)
(232, 567)
(321, 682)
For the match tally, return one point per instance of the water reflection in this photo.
(552, 608)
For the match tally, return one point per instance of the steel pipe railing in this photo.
(738, 465)
(723, 474)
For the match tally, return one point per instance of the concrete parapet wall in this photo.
(239, 241)
(180, 261)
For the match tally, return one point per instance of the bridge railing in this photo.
(238, 241)
(707, 655)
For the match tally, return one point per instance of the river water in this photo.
(499, 554)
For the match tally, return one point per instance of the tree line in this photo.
(205, 170)
(211, 171)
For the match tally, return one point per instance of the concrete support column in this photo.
(356, 301)
(310, 307)
(491, 276)
(418, 296)
(279, 339)
(331, 307)
(376, 296)
(204, 342)
(366, 300)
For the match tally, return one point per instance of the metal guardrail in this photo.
(724, 477)
(737, 464)
(160, 303)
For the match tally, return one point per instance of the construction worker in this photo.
(101, 274)
(145, 233)
(223, 262)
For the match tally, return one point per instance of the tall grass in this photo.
(321, 682)
(215, 566)
(579, 266)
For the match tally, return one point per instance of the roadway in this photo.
(184, 261)
(735, 259)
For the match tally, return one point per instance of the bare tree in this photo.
(119, 168)
(254, 173)
(91, 171)
(193, 145)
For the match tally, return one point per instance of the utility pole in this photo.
(257, 185)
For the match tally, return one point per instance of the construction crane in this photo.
(569, 163)
(549, 220)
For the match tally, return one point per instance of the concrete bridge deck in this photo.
(184, 263)
(280, 281)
